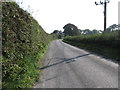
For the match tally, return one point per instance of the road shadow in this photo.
(64, 60)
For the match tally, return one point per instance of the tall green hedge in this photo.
(106, 44)
(24, 43)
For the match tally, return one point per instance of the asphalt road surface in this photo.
(69, 67)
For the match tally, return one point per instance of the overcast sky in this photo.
(54, 14)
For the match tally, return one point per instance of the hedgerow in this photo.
(24, 43)
(105, 44)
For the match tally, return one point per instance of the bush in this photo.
(106, 44)
(24, 43)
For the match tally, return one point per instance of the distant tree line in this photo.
(58, 34)
(72, 30)
(113, 27)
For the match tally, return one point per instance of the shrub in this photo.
(24, 43)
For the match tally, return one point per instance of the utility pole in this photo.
(105, 11)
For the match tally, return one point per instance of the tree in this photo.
(55, 32)
(86, 32)
(94, 31)
(71, 30)
(112, 28)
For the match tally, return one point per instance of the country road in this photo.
(66, 66)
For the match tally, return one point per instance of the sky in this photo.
(54, 14)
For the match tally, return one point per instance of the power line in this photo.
(105, 11)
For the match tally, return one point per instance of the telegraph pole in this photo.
(105, 11)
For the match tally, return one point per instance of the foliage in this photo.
(71, 30)
(90, 32)
(24, 43)
(112, 28)
(55, 32)
(100, 42)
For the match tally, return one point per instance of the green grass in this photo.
(106, 44)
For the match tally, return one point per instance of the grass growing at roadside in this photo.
(104, 44)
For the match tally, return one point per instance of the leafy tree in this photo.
(112, 28)
(55, 32)
(95, 31)
(86, 32)
(71, 30)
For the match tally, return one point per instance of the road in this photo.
(67, 66)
